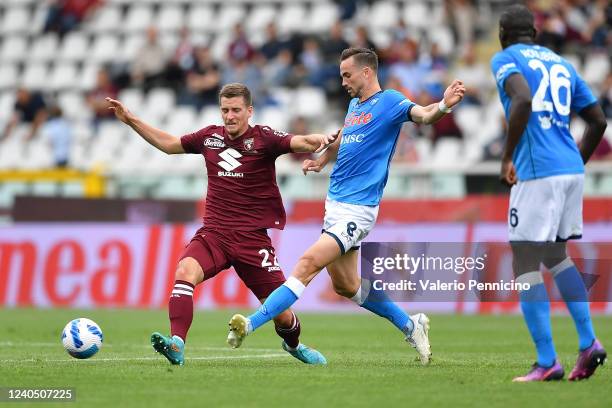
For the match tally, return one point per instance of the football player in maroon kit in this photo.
(242, 201)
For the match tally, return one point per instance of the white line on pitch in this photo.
(253, 356)
(124, 345)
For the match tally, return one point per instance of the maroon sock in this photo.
(180, 308)
(290, 334)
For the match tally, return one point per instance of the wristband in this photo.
(443, 108)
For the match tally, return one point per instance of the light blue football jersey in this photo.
(369, 136)
(546, 148)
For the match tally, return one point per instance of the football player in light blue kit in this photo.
(545, 168)
(364, 150)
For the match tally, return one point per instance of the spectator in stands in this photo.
(463, 20)
(29, 108)
(299, 124)
(242, 71)
(279, 70)
(475, 76)
(605, 98)
(408, 69)
(58, 133)
(272, 45)
(203, 81)
(331, 47)
(66, 15)
(96, 98)
(362, 39)
(181, 62)
(148, 67)
(240, 49)
(310, 60)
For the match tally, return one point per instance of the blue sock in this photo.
(379, 303)
(536, 311)
(572, 289)
(280, 300)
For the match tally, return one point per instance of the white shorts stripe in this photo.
(181, 292)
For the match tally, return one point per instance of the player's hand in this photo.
(311, 165)
(120, 111)
(454, 93)
(508, 173)
(326, 140)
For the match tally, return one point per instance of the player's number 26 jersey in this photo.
(546, 148)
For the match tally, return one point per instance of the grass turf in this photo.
(475, 359)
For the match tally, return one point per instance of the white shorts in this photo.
(548, 209)
(347, 223)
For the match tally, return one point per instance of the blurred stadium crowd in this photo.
(167, 59)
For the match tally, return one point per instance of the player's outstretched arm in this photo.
(595, 118)
(163, 141)
(518, 90)
(314, 143)
(432, 113)
(328, 155)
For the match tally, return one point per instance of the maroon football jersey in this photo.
(242, 190)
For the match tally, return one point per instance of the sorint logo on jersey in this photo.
(357, 119)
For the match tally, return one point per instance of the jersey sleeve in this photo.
(399, 107)
(193, 142)
(582, 95)
(277, 142)
(503, 65)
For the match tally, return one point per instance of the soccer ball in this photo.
(82, 338)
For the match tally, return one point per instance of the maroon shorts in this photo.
(250, 253)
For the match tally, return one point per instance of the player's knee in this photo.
(285, 319)
(346, 289)
(189, 270)
(307, 268)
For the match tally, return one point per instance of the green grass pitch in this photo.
(369, 364)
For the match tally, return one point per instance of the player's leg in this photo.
(570, 283)
(345, 279)
(255, 262)
(532, 220)
(196, 265)
(319, 255)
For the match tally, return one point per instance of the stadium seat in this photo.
(7, 102)
(446, 153)
(8, 76)
(130, 47)
(16, 20)
(44, 48)
(383, 14)
(75, 47)
(183, 120)
(201, 18)
(322, 17)
(605, 186)
(104, 48)
(14, 48)
(274, 117)
(424, 149)
(170, 18)
(35, 76)
(259, 18)
(596, 68)
(73, 105)
(298, 186)
(469, 119)
(106, 20)
(160, 102)
(229, 16)
(10, 190)
(310, 101)
(62, 77)
(88, 77)
(443, 36)
(133, 99)
(396, 186)
(417, 14)
(138, 19)
(291, 17)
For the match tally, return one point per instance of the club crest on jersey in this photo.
(214, 143)
(249, 143)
